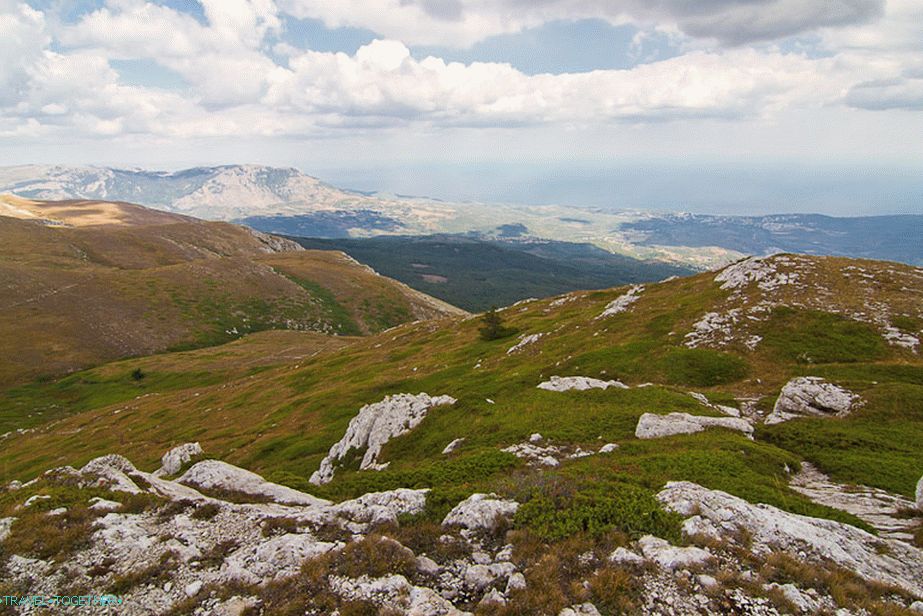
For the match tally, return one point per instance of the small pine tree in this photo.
(493, 326)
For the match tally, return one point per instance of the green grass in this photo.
(338, 316)
(812, 337)
(878, 445)
(30, 405)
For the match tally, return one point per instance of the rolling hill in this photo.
(743, 441)
(84, 282)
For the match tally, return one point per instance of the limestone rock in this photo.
(721, 515)
(5, 525)
(578, 383)
(537, 456)
(811, 395)
(524, 341)
(480, 511)
(517, 581)
(173, 460)
(101, 504)
(453, 445)
(273, 558)
(622, 302)
(804, 603)
(622, 556)
(583, 609)
(215, 474)
(608, 448)
(374, 426)
(671, 557)
(480, 577)
(379, 507)
(651, 425)
(920, 494)
(113, 471)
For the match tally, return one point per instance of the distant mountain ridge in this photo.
(285, 200)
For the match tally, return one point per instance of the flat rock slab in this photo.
(651, 425)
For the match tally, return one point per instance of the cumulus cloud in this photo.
(465, 22)
(383, 80)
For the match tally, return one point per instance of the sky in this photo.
(731, 106)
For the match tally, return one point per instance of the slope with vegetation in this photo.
(86, 282)
(566, 453)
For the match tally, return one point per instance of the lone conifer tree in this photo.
(493, 326)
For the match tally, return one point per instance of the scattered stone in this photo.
(584, 609)
(453, 445)
(917, 606)
(34, 499)
(172, 461)
(792, 594)
(218, 475)
(721, 516)
(651, 425)
(578, 383)
(193, 588)
(608, 448)
(374, 426)
(517, 581)
(479, 577)
(427, 566)
(101, 504)
(5, 525)
(480, 511)
(537, 456)
(58, 511)
(494, 597)
(671, 557)
(811, 395)
(535, 438)
(623, 556)
(706, 581)
(113, 471)
(622, 303)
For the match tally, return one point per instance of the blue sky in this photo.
(553, 101)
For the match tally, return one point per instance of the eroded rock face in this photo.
(218, 475)
(811, 395)
(651, 425)
(480, 511)
(173, 460)
(722, 516)
(578, 383)
(374, 426)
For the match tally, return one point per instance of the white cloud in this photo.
(464, 22)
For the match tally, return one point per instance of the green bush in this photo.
(629, 509)
(702, 367)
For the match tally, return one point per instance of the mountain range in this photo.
(287, 201)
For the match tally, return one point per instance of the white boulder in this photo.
(583, 609)
(622, 556)
(480, 511)
(608, 448)
(5, 525)
(101, 504)
(374, 426)
(273, 558)
(722, 516)
(453, 445)
(920, 494)
(671, 557)
(379, 507)
(811, 395)
(215, 474)
(578, 383)
(172, 461)
(113, 471)
(651, 425)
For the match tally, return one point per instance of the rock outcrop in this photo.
(172, 461)
(223, 477)
(671, 557)
(480, 511)
(722, 516)
(811, 395)
(920, 494)
(578, 383)
(374, 426)
(622, 302)
(651, 425)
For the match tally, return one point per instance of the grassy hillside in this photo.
(476, 273)
(89, 282)
(281, 417)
